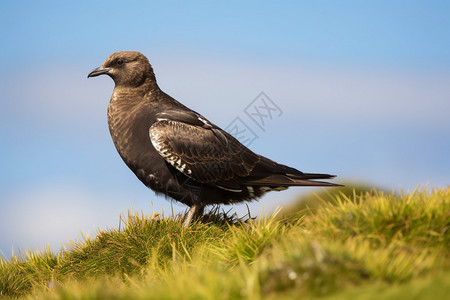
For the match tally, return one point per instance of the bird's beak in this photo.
(98, 71)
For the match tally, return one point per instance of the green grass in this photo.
(355, 245)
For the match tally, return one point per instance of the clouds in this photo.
(55, 96)
(334, 93)
(58, 97)
(52, 213)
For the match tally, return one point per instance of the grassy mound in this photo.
(357, 246)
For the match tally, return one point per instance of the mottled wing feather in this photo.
(198, 153)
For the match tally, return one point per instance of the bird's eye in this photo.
(120, 62)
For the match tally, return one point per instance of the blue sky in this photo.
(364, 89)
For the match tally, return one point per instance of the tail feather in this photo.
(311, 176)
(270, 173)
(286, 181)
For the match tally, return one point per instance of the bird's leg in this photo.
(194, 212)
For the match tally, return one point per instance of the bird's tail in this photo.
(315, 176)
(270, 173)
(281, 180)
(309, 179)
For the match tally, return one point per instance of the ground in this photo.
(354, 244)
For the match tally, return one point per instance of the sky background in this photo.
(364, 89)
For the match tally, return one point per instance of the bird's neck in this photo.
(148, 87)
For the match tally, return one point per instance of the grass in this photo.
(357, 245)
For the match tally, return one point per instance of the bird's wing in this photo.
(201, 150)
(192, 118)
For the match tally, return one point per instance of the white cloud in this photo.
(52, 214)
(221, 89)
(53, 96)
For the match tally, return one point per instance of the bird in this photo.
(179, 153)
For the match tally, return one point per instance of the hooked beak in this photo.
(98, 71)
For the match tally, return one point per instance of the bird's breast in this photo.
(129, 123)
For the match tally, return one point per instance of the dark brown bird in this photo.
(177, 152)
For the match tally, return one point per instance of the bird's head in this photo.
(126, 68)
